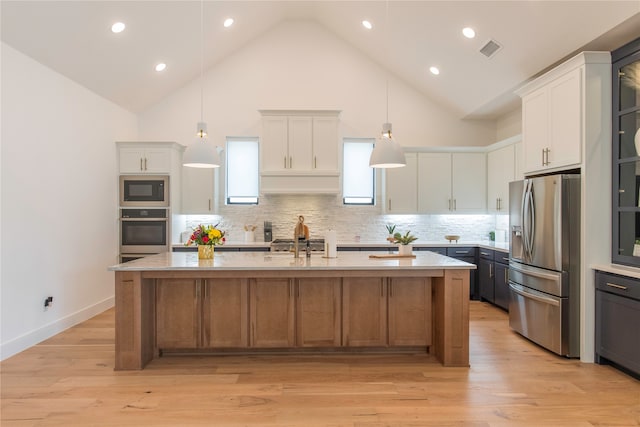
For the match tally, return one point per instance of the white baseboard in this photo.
(36, 336)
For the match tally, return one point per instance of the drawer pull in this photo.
(484, 253)
(462, 252)
(624, 288)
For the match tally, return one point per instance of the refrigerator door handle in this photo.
(532, 222)
(523, 215)
(526, 294)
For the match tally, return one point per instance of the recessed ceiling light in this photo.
(118, 27)
(228, 22)
(468, 32)
(434, 70)
(161, 66)
(368, 25)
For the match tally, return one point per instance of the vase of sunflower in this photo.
(206, 237)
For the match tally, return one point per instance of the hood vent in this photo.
(490, 48)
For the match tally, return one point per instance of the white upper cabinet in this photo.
(300, 144)
(305, 141)
(198, 190)
(275, 142)
(141, 160)
(437, 182)
(553, 115)
(452, 182)
(551, 124)
(434, 177)
(469, 182)
(501, 166)
(402, 187)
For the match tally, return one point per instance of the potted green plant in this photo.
(404, 242)
(390, 229)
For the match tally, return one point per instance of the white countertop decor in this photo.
(238, 261)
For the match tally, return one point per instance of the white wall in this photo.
(509, 125)
(59, 217)
(299, 65)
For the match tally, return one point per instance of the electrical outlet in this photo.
(48, 302)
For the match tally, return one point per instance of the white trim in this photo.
(463, 149)
(36, 336)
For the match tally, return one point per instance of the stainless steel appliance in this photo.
(286, 245)
(144, 191)
(144, 231)
(544, 261)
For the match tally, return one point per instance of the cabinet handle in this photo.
(490, 270)
(620, 132)
(209, 204)
(506, 275)
(624, 288)
(290, 162)
(141, 164)
(455, 204)
(315, 162)
(484, 253)
(449, 204)
(462, 252)
(285, 162)
(145, 163)
(543, 150)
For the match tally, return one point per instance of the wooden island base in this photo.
(208, 310)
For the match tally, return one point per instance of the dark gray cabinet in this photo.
(493, 280)
(486, 275)
(467, 254)
(626, 154)
(617, 320)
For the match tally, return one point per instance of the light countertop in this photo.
(621, 270)
(499, 246)
(237, 261)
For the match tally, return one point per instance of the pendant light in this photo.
(387, 153)
(202, 153)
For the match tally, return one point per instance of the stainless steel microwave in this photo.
(144, 191)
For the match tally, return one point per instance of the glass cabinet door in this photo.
(626, 155)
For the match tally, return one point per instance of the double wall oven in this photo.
(144, 216)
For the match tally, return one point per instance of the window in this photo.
(242, 171)
(358, 178)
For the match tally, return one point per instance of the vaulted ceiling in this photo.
(75, 39)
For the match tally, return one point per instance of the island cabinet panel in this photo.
(271, 313)
(225, 317)
(318, 315)
(410, 312)
(177, 313)
(364, 312)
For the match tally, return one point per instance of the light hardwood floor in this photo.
(69, 380)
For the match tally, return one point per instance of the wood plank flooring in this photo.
(69, 380)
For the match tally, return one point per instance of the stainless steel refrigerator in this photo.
(544, 261)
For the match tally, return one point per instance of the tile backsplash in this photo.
(326, 212)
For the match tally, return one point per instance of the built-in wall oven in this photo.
(144, 191)
(143, 231)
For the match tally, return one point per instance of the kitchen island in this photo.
(263, 302)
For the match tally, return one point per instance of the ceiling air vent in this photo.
(490, 48)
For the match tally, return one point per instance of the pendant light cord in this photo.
(202, 60)
(386, 31)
